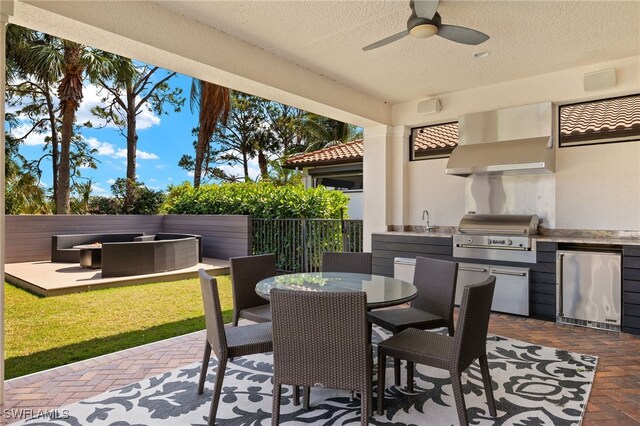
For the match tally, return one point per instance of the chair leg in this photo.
(306, 390)
(382, 360)
(365, 407)
(275, 412)
(396, 370)
(450, 327)
(370, 328)
(236, 318)
(410, 376)
(296, 395)
(217, 389)
(458, 395)
(488, 389)
(205, 366)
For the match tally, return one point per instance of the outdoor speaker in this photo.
(600, 80)
(430, 106)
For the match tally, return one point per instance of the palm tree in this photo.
(213, 104)
(322, 132)
(84, 190)
(70, 63)
(24, 79)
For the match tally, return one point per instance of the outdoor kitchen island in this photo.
(386, 246)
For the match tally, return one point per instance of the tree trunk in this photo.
(55, 160)
(262, 163)
(70, 96)
(64, 176)
(245, 166)
(132, 149)
(201, 146)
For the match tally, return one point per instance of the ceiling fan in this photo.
(425, 22)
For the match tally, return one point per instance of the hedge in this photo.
(262, 200)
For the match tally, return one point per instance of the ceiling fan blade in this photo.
(425, 8)
(386, 41)
(462, 34)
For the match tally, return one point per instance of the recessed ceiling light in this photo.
(481, 55)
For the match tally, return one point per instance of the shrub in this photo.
(262, 200)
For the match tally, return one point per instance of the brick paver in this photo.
(615, 398)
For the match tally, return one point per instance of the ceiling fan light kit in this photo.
(423, 31)
(425, 22)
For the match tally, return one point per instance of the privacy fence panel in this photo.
(28, 237)
(299, 243)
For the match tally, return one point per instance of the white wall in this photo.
(431, 189)
(597, 187)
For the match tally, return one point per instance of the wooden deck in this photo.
(52, 279)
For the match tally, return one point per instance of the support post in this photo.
(6, 9)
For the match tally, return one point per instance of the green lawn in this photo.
(45, 332)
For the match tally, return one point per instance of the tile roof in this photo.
(438, 137)
(348, 152)
(597, 120)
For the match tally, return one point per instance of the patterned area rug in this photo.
(533, 385)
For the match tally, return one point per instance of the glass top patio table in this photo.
(381, 291)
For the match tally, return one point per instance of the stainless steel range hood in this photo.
(507, 141)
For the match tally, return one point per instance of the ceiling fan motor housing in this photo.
(423, 27)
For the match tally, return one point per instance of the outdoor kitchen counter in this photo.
(623, 241)
(592, 239)
(436, 234)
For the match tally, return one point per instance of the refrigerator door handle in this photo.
(560, 284)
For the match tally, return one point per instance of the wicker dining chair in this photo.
(358, 263)
(226, 342)
(449, 353)
(246, 272)
(433, 308)
(320, 339)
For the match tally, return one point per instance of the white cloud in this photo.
(142, 155)
(169, 179)
(92, 97)
(110, 150)
(111, 181)
(190, 173)
(98, 190)
(34, 138)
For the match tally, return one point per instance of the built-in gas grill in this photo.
(490, 243)
(496, 237)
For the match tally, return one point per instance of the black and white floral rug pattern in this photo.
(533, 385)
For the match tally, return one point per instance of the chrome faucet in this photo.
(425, 213)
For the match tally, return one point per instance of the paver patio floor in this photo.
(615, 397)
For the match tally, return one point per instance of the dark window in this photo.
(602, 121)
(346, 177)
(340, 182)
(436, 141)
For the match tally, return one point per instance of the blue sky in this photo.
(162, 140)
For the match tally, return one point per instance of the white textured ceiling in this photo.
(527, 38)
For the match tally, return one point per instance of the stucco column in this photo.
(6, 9)
(399, 176)
(376, 181)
